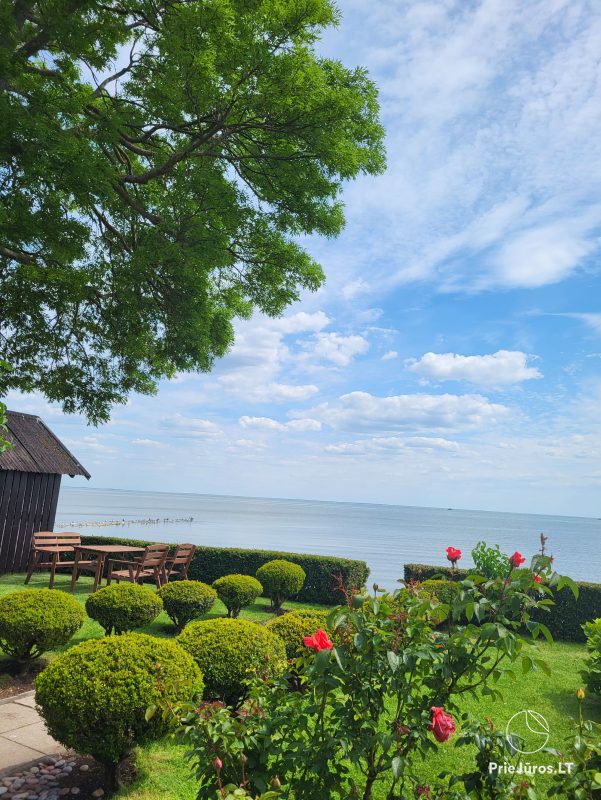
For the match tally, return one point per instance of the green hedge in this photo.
(565, 619)
(427, 572)
(211, 563)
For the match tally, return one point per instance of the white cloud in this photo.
(354, 288)
(179, 425)
(301, 322)
(339, 349)
(591, 319)
(276, 392)
(543, 255)
(148, 443)
(392, 445)
(267, 423)
(253, 368)
(389, 355)
(364, 411)
(492, 113)
(503, 368)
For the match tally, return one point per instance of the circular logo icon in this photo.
(527, 732)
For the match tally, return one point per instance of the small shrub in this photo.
(443, 591)
(186, 600)
(490, 561)
(94, 698)
(37, 620)
(237, 591)
(229, 651)
(592, 673)
(292, 629)
(281, 580)
(446, 591)
(123, 607)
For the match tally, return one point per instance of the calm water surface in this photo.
(384, 536)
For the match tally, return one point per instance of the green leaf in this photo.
(393, 660)
(150, 712)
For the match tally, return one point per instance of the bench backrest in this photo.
(55, 538)
(154, 556)
(183, 555)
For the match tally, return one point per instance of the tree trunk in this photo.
(369, 785)
(111, 776)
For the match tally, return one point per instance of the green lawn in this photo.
(164, 775)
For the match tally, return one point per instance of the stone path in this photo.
(23, 736)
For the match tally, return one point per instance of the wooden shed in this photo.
(30, 479)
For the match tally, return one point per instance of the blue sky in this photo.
(453, 357)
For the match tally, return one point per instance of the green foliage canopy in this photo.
(158, 160)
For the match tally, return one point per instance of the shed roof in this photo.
(36, 449)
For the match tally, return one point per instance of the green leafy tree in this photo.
(158, 162)
(4, 445)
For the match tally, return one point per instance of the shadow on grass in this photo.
(567, 705)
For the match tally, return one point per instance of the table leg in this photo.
(53, 570)
(75, 574)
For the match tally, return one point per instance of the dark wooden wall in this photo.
(27, 503)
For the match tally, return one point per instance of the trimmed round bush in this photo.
(237, 591)
(123, 607)
(443, 591)
(281, 580)
(228, 651)
(95, 697)
(292, 629)
(315, 614)
(36, 620)
(186, 600)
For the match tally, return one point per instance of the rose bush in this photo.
(381, 698)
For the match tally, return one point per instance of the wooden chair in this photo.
(150, 565)
(179, 564)
(52, 544)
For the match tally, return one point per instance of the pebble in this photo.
(42, 781)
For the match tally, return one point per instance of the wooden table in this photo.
(101, 551)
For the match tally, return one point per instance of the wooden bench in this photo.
(150, 565)
(47, 547)
(177, 566)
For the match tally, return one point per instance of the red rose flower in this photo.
(319, 641)
(516, 559)
(442, 725)
(538, 579)
(453, 554)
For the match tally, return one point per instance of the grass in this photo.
(162, 625)
(164, 775)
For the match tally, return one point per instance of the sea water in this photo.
(385, 536)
